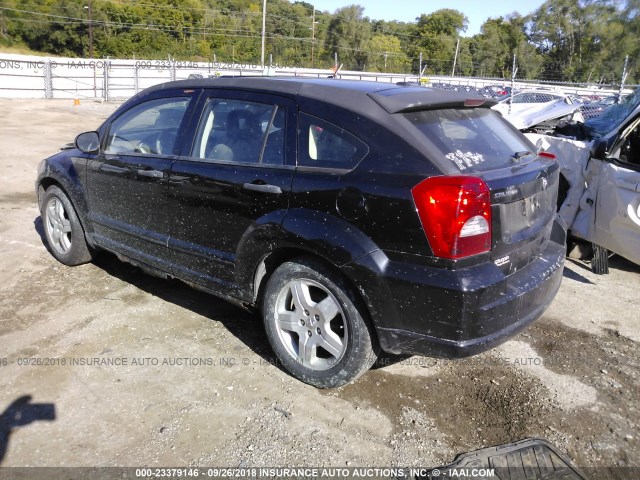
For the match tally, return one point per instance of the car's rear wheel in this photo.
(62, 229)
(315, 325)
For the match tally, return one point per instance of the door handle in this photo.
(151, 173)
(264, 188)
(105, 167)
(175, 180)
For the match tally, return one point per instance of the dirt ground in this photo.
(139, 371)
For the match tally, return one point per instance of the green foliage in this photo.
(437, 35)
(348, 35)
(565, 40)
(498, 42)
(585, 40)
(385, 54)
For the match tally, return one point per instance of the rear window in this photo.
(472, 140)
(325, 145)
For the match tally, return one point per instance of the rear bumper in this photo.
(458, 313)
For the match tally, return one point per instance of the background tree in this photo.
(385, 54)
(348, 33)
(436, 35)
(499, 40)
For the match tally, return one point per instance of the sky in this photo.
(477, 11)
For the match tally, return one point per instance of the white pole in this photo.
(264, 22)
(624, 78)
(455, 58)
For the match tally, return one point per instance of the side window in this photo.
(323, 144)
(150, 128)
(545, 97)
(241, 131)
(523, 98)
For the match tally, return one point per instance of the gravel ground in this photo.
(158, 374)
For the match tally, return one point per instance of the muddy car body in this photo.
(356, 216)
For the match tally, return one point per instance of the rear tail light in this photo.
(547, 155)
(456, 215)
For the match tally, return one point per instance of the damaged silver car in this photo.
(539, 111)
(600, 165)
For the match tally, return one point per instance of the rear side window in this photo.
(473, 140)
(325, 145)
(241, 131)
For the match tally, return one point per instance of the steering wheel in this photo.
(141, 147)
(165, 143)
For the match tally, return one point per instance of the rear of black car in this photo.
(492, 252)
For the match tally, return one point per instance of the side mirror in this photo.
(88, 142)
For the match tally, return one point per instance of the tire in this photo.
(64, 233)
(315, 325)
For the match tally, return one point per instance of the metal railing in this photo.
(39, 77)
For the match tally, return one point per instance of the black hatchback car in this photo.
(355, 216)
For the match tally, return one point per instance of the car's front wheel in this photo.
(64, 233)
(315, 325)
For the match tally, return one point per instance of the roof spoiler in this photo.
(412, 99)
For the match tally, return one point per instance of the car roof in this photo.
(355, 95)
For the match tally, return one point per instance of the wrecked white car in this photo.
(600, 201)
(539, 111)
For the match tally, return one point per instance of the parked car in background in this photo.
(527, 99)
(495, 91)
(354, 216)
(539, 110)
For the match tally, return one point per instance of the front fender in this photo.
(69, 172)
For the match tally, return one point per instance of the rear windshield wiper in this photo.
(518, 155)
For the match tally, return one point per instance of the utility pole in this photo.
(264, 23)
(313, 34)
(420, 67)
(455, 58)
(88, 8)
(624, 78)
(514, 71)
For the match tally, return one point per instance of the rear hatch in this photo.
(476, 142)
(523, 207)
